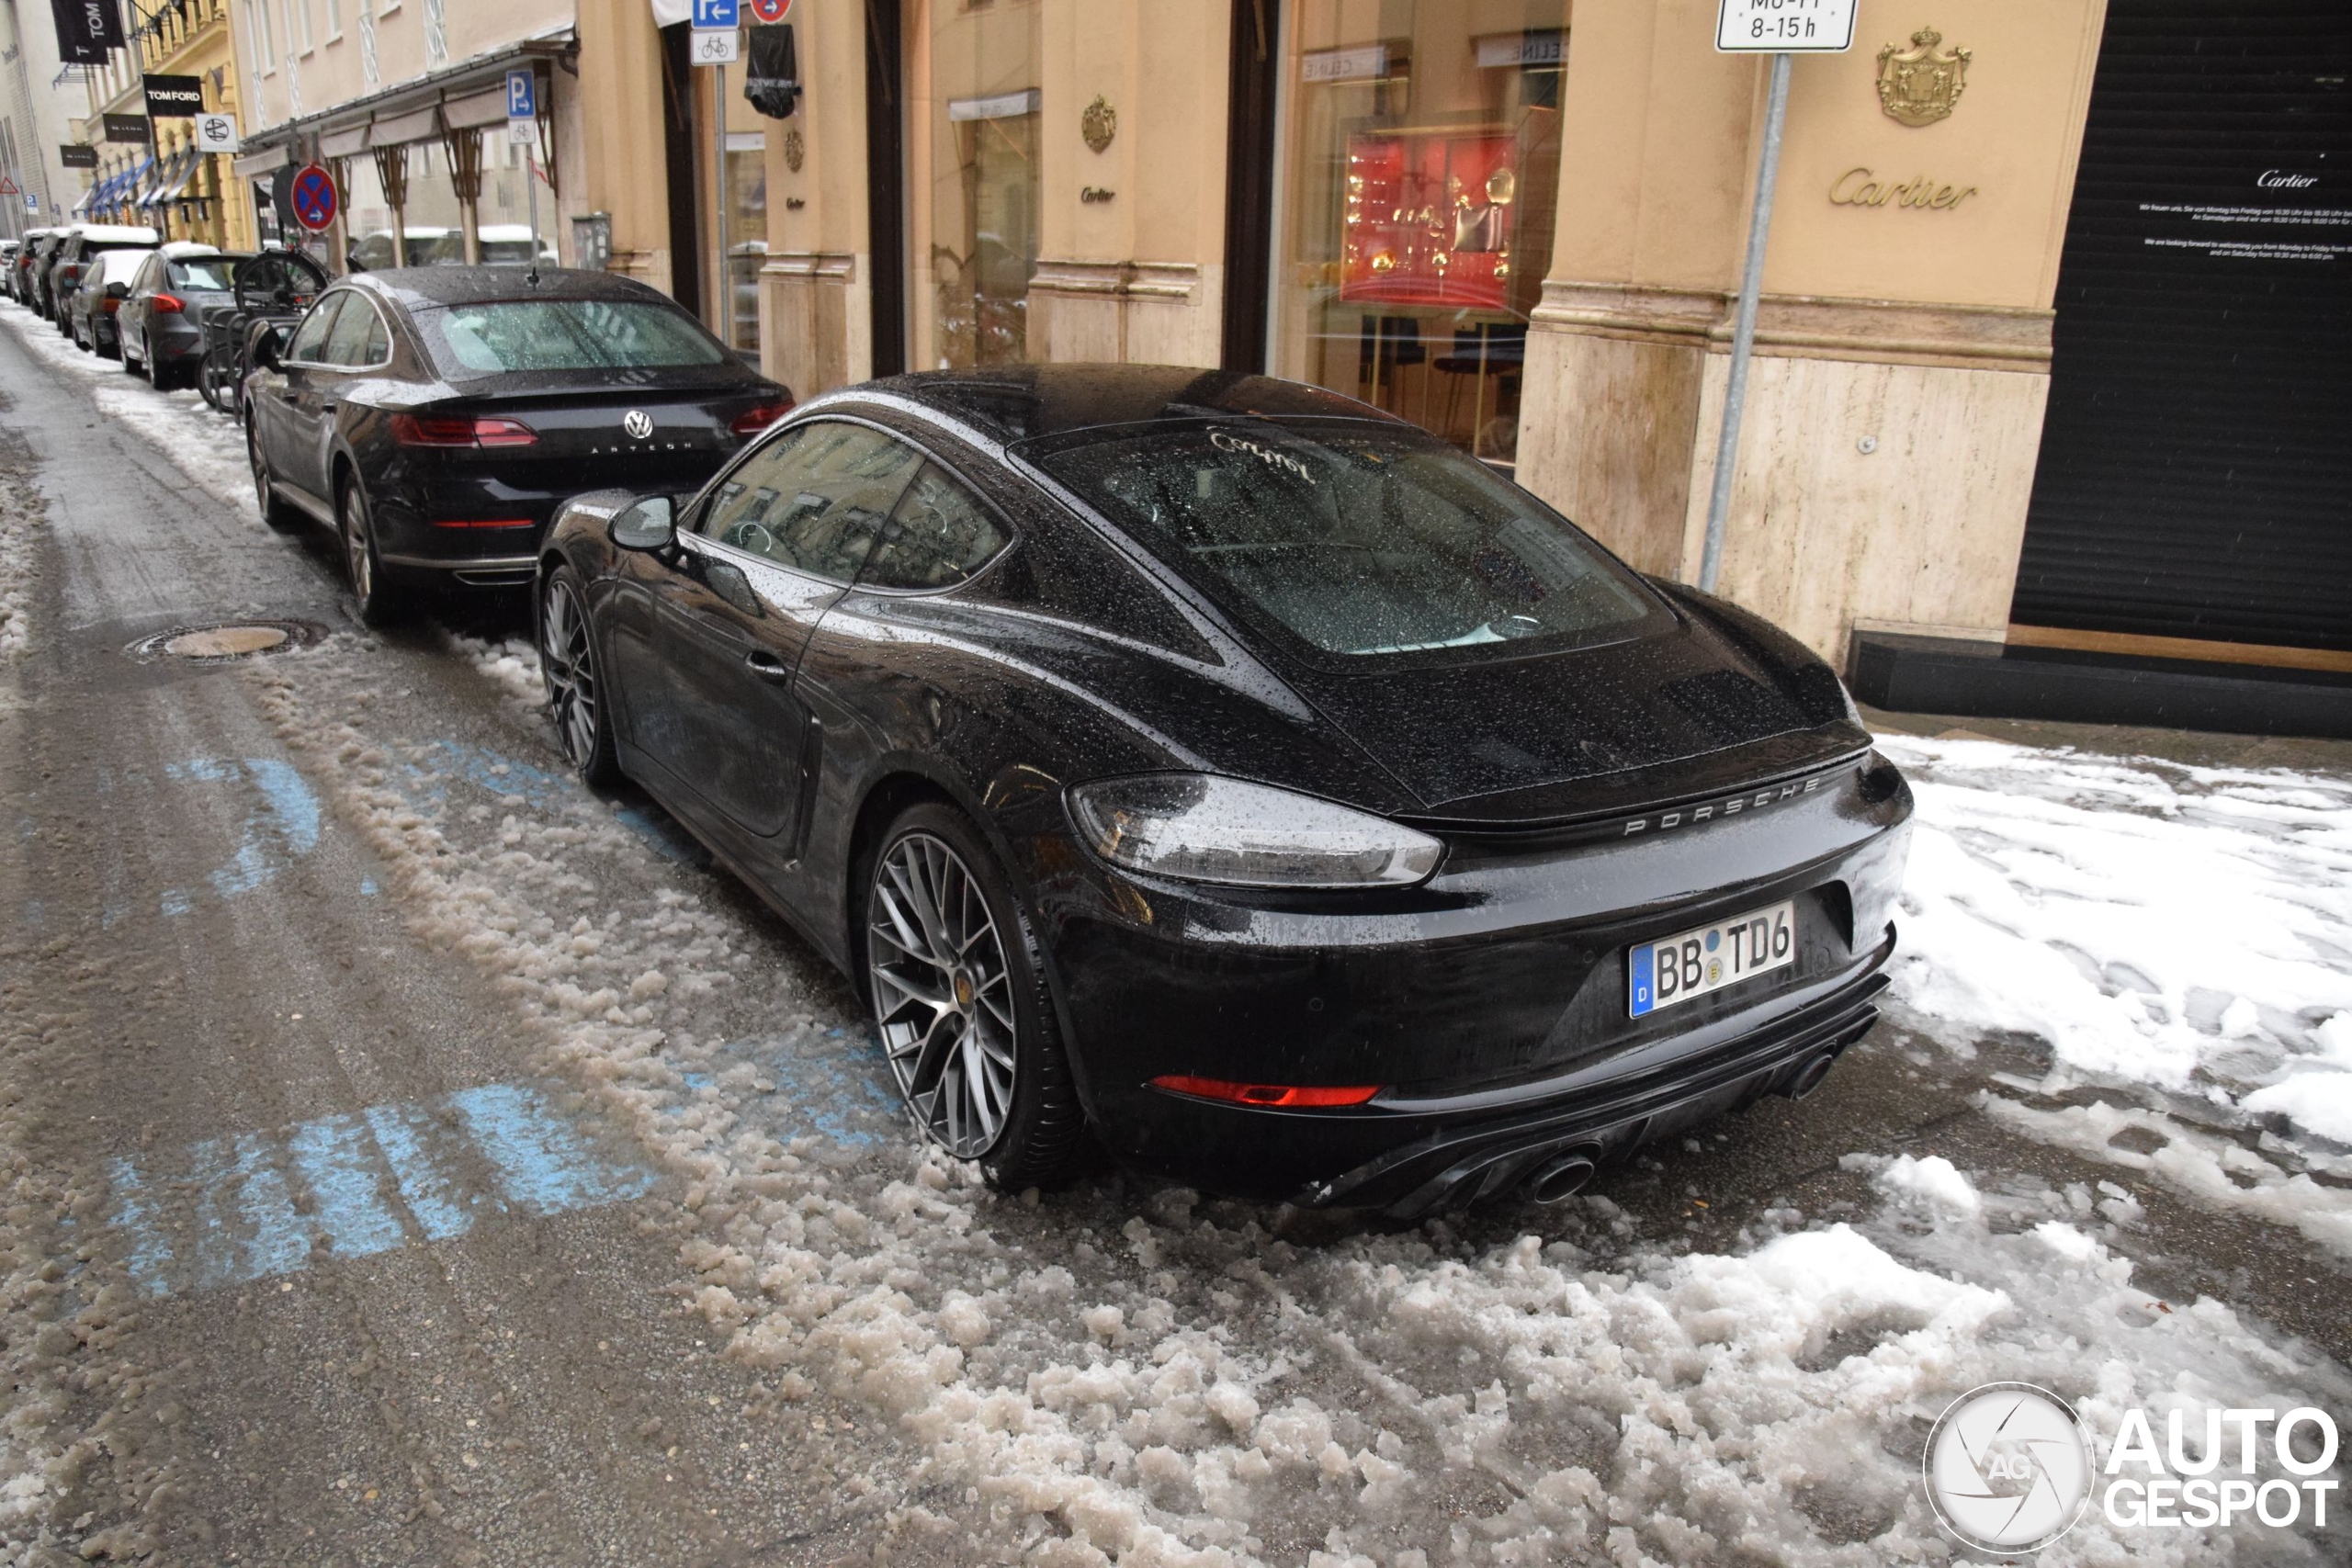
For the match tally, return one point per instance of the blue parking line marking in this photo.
(512, 783)
(425, 1188)
(284, 827)
(149, 1257)
(332, 1157)
(251, 1206)
(542, 1164)
(835, 1085)
(279, 1242)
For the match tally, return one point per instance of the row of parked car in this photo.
(119, 291)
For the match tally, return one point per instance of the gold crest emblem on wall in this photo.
(795, 150)
(1919, 85)
(1099, 123)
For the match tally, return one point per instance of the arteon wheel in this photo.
(959, 999)
(274, 512)
(378, 602)
(575, 695)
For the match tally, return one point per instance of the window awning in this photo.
(83, 204)
(173, 179)
(475, 90)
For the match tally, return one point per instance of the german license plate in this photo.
(1676, 968)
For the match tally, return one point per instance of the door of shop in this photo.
(2195, 478)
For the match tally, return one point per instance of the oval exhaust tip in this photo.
(1561, 1181)
(1809, 1077)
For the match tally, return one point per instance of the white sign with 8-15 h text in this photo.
(1791, 26)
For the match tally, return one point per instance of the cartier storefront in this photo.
(2051, 343)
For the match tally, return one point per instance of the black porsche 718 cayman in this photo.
(1231, 769)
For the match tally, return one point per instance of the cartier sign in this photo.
(1861, 186)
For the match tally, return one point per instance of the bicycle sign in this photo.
(314, 199)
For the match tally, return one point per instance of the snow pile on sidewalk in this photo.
(1090, 1378)
(2188, 929)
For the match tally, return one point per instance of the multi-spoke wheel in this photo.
(567, 663)
(378, 602)
(960, 1003)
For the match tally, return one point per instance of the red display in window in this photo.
(1428, 219)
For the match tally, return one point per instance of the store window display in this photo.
(1419, 157)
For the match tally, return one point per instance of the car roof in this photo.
(118, 263)
(427, 287)
(178, 248)
(1017, 402)
(116, 233)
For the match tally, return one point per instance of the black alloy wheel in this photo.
(954, 975)
(575, 694)
(378, 603)
(274, 512)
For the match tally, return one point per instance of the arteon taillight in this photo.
(753, 421)
(165, 304)
(460, 430)
(1289, 1096)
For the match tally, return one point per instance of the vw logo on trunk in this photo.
(637, 422)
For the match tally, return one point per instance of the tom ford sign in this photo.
(87, 30)
(174, 97)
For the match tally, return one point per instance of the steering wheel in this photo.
(278, 280)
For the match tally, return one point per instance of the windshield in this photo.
(205, 272)
(564, 334)
(1354, 541)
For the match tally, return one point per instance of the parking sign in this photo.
(522, 95)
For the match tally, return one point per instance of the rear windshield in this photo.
(205, 272)
(564, 334)
(1356, 542)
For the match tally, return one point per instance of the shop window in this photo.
(973, 71)
(747, 231)
(1418, 167)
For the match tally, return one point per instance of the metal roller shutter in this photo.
(2196, 470)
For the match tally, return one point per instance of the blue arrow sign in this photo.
(522, 95)
(716, 14)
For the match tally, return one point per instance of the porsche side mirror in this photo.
(117, 291)
(265, 350)
(647, 524)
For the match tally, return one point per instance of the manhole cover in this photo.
(233, 639)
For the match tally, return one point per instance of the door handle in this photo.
(767, 666)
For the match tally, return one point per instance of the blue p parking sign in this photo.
(522, 95)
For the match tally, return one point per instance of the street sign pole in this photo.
(1782, 28)
(1742, 335)
(719, 200)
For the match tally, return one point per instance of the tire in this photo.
(578, 702)
(379, 603)
(929, 886)
(274, 512)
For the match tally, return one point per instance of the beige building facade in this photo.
(1521, 223)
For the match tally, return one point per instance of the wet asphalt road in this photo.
(208, 966)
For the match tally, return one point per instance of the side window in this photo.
(380, 342)
(311, 338)
(143, 281)
(937, 537)
(347, 343)
(814, 500)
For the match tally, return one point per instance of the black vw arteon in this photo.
(435, 417)
(1231, 768)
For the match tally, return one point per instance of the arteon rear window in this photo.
(1355, 541)
(563, 334)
